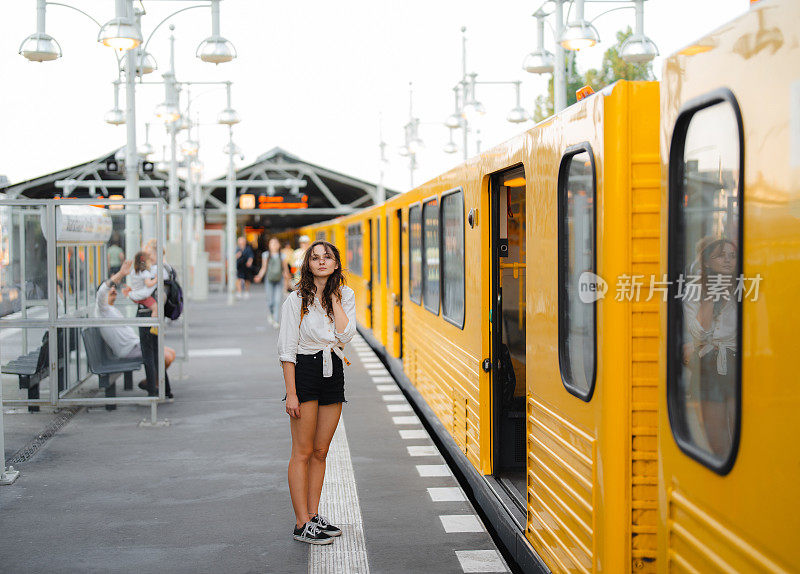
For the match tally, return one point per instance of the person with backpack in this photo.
(276, 270)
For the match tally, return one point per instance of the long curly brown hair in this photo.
(335, 282)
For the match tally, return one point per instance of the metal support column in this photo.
(559, 67)
(230, 218)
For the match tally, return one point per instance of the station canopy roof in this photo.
(44, 187)
(326, 192)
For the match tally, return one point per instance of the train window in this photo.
(354, 249)
(378, 250)
(430, 260)
(321, 235)
(705, 273)
(577, 340)
(386, 259)
(415, 254)
(453, 258)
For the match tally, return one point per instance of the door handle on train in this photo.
(486, 365)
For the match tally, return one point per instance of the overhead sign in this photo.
(251, 201)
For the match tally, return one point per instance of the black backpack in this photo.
(173, 302)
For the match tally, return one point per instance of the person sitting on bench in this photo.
(123, 340)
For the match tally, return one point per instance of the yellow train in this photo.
(534, 304)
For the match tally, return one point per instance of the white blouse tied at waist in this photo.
(317, 331)
(721, 336)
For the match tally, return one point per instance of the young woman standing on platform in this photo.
(317, 320)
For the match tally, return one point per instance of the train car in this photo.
(730, 147)
(532, 304)
(451, 278)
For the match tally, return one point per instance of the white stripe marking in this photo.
(405, 420)
(422, 451)
(481, 561)
(446, 494)
(412, 434)
(382, 380)
(393, 398)
(433, 470)
(372, 364)
(377, 372)
(386, 388)
(461, 523)
(203, 353)
(399, 408)
(339, 503)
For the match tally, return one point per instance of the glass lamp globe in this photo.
(517, 115)
(638, 50)
(40, 48)
(472, 110)
(578, 35)
(450, 147)
(453, 121)
(115, 117)
(120, 34)
(538, 62)
(228, 117)
(216, 50)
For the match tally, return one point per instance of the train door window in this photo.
(453, 257)
(509, 331)
(398, 266)
(386, 258)
(430, 260)
(321, 235)
(378, 250)
(415, 254)
(577, 339)
(705, 273)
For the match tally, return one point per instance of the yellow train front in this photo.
(528, 302)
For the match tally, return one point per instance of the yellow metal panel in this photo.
(748, 520)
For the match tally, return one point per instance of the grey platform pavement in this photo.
(209, 494)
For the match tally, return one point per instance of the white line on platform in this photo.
(382, 380)
(412, 434)
(405, 420)
(339, 503)
(446, 494)
(202, 353)
(398, 408)
(372, 364)
(481, 561)
(386, 388)
(461, 523)
(422, 451)
(377, 372)
(433, 470)
(393, 397)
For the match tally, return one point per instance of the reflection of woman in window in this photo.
(711, 321)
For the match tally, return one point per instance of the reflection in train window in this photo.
(354, 248)
(577, 338)
(430, 261)
(453, 258)
(704, 263)
(321, 235)
(415, 254)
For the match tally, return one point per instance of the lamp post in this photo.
(467, 106)
(229, 117)
(580, 33)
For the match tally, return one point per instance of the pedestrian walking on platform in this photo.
(297, 258)
(276, 269)
(244, 266)
(317, 321)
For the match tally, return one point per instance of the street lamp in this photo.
(228, 116)
(581, 33)
(115, 116)
(121, 32)
(215, 49)
(40, 47)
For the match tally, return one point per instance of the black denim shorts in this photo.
(310, 385)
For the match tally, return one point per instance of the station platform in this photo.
(208, 492)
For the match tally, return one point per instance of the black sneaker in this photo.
(326, 526)
(311, 534)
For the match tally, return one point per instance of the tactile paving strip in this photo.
(339, 504)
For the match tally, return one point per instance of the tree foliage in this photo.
(612, 69)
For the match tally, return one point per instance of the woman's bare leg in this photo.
(303, 431)
(327, 420)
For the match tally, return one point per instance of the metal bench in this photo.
(107, 366)
(32, 368)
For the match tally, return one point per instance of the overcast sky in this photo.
(313, 77)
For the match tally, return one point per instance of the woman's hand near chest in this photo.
(340, 319)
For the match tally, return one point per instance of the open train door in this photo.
(507, 200)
